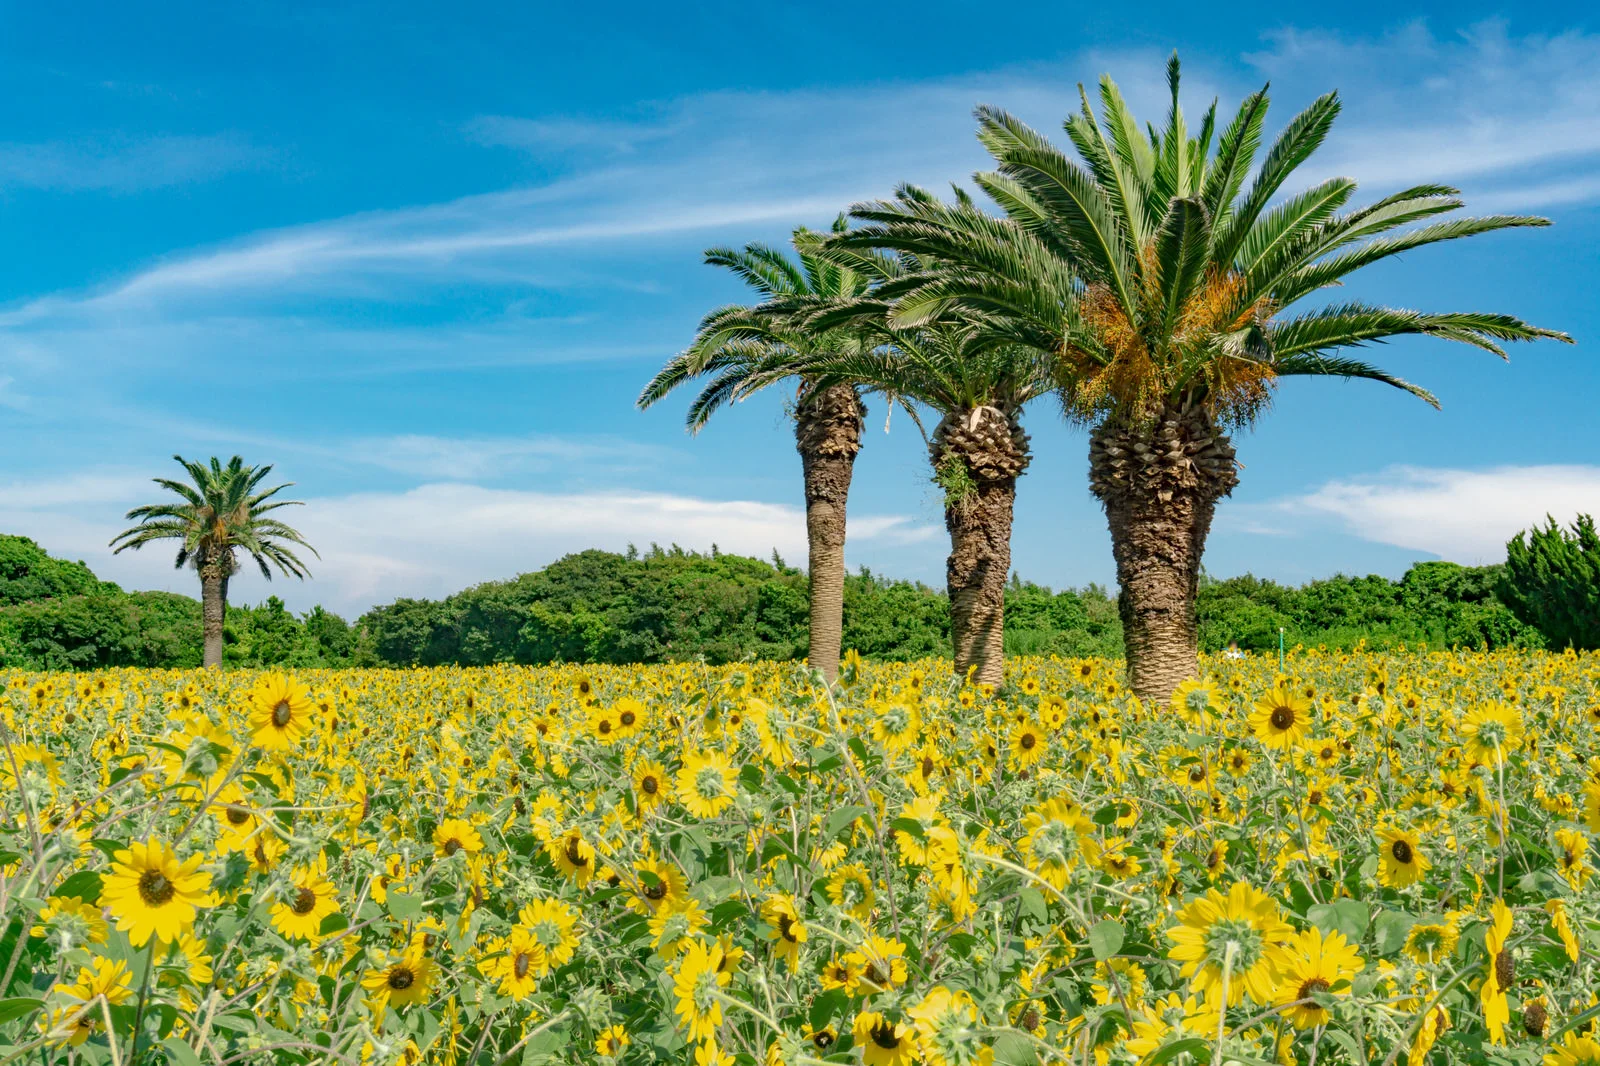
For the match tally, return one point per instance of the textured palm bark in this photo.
(828, 436)
(1160, 483)
(213, 609)
(979, 458)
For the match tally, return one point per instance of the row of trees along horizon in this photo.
(670, 604)
(1148, 286)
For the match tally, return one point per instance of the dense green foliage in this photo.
(669, 604)
(28, 574)
(56, 615)
(1552, 582)
(1440, 603)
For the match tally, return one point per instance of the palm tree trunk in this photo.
(1160, 483)
(977, 458)
(213, 609)
(828, 435)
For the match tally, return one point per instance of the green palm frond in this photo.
(221, 513)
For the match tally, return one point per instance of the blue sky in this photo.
(423, 258)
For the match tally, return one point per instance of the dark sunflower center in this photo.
(1197, 774)
(823, 1040)
(155, 889)
(1030, 1019)
(1213, 859)
(574, 855)
(873, 974)
(657, 891)
(1282, 717)
(305, 901)
(627, 718)
(1028, 741)
(238, 816)
(520, 964)
(281, 713)
(649, 785)
(1504, 969)
(786, 927)
(883, 1035)
(1401, 850)
(401, 978)
(1311, 987)
(452, 846)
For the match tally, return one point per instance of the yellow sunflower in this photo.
(518, 962)
(784, 929)
(612, 1042)
(651, 787)
(1052, 840)
(1234, 933)
(573, 856)
(696, 986)
(878, 965)
(1575, 1050)
(1429, 943)
(630, 716)
(882, 1042)
(1401, 860)
(404, 980)
(309, 898)
(706, 783)
(150, 893)
(850, 887)
(1281, 719)
(1197, 701)
(661, 887)
(1028, 744)
(550, 922)
(283, 711)
(1499, 973)
(1314, 964)
(1492, 731)
(456, 834)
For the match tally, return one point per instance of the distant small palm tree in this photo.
(221, 513)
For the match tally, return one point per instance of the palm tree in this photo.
(978, 448)
(743, 350)
(220, 513)
(1160, 285)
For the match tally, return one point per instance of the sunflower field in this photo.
(1363, 859)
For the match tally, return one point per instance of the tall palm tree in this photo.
(219, 514)
(1159, 277)
(978, 448)
(738, 349)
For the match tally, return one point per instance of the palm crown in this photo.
(220, 509)
(1154, 276)
(743, 349)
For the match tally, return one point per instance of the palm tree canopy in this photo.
(219, 509)
(743, 349)
(1157, 270)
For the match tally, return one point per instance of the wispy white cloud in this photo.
(1477, 106)
(119, 164)
(434, 539)
(567, 134)
(477, 459)
(1465, 516)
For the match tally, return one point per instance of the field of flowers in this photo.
(1364, 860)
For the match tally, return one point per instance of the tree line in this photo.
(668, 604)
